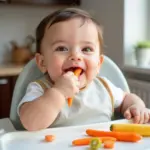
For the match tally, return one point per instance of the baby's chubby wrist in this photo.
(60, 90)
(57, 98)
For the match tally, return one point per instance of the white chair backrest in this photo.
(111, 71)
(31, 72)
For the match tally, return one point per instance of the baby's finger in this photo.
(127, 114)
(76, 78)
(77, 90)
(77, 83)
(141, 121)
(136, 115)
(69, 73)
(146, 117)
(149, 116)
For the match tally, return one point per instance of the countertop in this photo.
(136, 69)
(9, 69)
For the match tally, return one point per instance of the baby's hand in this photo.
(68, 84)
(139, 114)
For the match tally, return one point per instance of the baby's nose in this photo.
(75, 57)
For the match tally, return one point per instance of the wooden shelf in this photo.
(43, 2)
(137, 69)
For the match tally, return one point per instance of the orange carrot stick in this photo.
(106, 138)
(109, 144)
(82, 141)
(86, 141)
(120, 136)
(49, 138)
(77, 73)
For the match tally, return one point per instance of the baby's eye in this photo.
(87, 49)
(61, 48)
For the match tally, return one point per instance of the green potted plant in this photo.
(142, 52)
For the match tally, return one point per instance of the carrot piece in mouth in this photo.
(77, 72)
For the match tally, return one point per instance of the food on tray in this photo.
(81, 141)
(142, 129)
(109, 144)
(120, 136)
(95, 143)
(106, 138)
(86, 141)
(77, 72)
(49, 138)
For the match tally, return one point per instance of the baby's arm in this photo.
(129, 100)
(133, 107)
(42, 111)
(129, 104)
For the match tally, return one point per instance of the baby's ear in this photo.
(40, 62)
(101, 60)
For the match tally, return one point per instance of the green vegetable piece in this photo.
(95, 143)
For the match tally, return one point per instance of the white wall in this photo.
(148, 19)
(135, 27)
(16, 22)
(124, 22)
(110, 13)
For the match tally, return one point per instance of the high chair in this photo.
(31, 72)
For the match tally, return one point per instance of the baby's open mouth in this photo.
(73, 69)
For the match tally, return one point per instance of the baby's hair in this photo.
(65, 15)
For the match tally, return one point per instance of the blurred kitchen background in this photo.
(125, 22)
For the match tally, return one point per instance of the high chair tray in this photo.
(24, 140)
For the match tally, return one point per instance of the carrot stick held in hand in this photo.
(77, 72)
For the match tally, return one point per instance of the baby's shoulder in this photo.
(101, 81)
(41, 82)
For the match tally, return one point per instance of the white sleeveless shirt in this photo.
(93, 104)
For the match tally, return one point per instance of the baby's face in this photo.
(72, 44)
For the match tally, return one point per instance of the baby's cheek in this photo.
(54, 71)
(93, 69)
(91, 74)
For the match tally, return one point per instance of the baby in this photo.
(66, 40)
